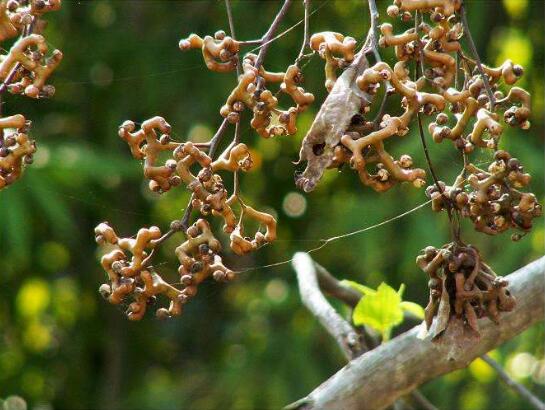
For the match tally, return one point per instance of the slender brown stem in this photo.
(156, 244)
(380, 112)
(187, 213)
(454, 226)
(517, 387)
(250, 42)
(270, 33)
(1, 131)
(473, 48)
(232, 30)
(216, 139)
(371, 42)
(333, 287)
(301, 55)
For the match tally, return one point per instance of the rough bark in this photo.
(379, 377)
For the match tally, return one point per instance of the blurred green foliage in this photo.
(249, 344)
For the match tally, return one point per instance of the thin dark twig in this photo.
(380, 112)
(333, 287)
(236, 137)
(455, 227)
(214, 142)
(306, 3)
(232, 29)
(371, 42)
(422, 400)
(236, 180)
(517, 387)
(156, 244)
(187, 213)
(270, 33)
(250, 42)
(1, 131)
(267, 39)
(473, 48)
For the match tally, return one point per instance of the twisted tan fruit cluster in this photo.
(24, 69)
(433, 76)
(462, 285)
(221, 54)
(337, 51)
(130, 275)
(490, 198)
(16, 150)
(168, 164)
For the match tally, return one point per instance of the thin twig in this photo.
(371, 42)
(187, 213)
(517, 387)
(306, 4)
(232, 30)
(250, 42)
(266, 39)
(2, 130)
(455, 228)
(270, 33)
(333, 287)
(156, 244)
(236, 138)
(214, 142)
(380, 112)
(422, 400)
(473, 48)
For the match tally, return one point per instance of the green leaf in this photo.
(414, 309)
(381, 310)
(364, 290)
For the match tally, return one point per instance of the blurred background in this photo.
(249, 344)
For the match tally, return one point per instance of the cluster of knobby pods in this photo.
(24, 70)
(431, 75)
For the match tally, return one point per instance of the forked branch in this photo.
(379, 377)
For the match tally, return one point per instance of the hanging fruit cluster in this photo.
(24, 70)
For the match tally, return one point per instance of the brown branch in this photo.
(371, 42)
(334, 288)
(232, 30)
(379, 377)
(517, 387)
(267, 37)
(306, 34)
(311, 296)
